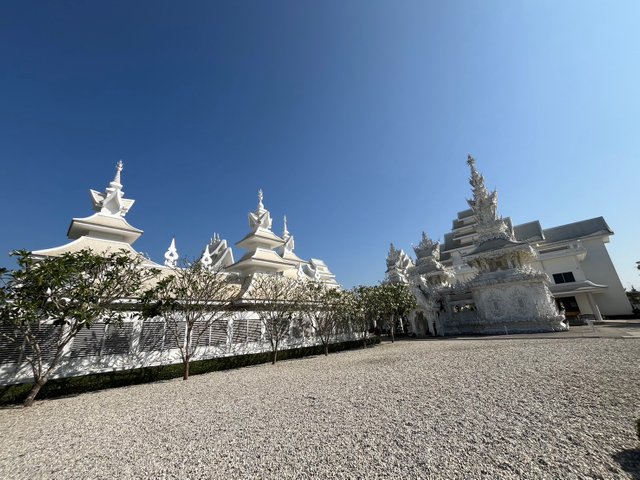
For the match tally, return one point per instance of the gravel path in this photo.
(440, 409)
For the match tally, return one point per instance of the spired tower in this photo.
(507, 292)
(106, 230)
(398, 265)
(259, 244)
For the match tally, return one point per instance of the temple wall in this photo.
(599, 268)
(144, 343)
(567, 263)
(516, 306)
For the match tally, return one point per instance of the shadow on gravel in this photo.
(629, 460)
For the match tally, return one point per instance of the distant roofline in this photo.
(582, 221)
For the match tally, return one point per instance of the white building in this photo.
(581, 275)
(141, 342)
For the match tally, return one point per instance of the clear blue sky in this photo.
(354, 117)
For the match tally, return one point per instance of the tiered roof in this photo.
(105, 230)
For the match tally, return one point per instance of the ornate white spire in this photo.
(171, 256)
(260, 197)
(427, 248)
(206, 259)
(289, 242)
(112, 201)
(393, 255)
(261, 217)
(116, 179)
(485, 208)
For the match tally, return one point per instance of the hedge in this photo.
(12, 394)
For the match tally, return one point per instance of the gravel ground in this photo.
(519, 408)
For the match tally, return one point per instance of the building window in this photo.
(564, 277)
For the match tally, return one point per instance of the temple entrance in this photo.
(570, 306)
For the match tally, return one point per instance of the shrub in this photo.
(59, 387)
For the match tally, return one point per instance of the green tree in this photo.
(191, 300)
(70, 292)
(324, 307)
(363, 309)
(396, 301)
(277, 300)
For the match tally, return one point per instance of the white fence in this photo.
(141, 343)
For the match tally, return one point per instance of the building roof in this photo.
(528, 231)
(497, 244)
(98, 225)
(577, 230)
(572, 288)
(260, 237)
(260, 260)
(97, 246)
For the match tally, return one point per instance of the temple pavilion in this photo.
(265, 251)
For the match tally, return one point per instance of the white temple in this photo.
(265, 252)
(493, 277)
(142, 342)
(105, 230)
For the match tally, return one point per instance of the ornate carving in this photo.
(289, 242)
(261, 217)
(427, 248)
(206, 259)
(171, 256)
(112, 201)
(398, 265)
(485, 208)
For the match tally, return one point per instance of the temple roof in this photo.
(531, 231)
(104, 226)
(497, 244)
(573, 288)
(261, 237)
(260, 260)
(577, 230)
(96, 245)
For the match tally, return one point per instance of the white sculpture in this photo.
(171, 256)
(206, 259)
(261, 218)
(289, 243)
(221, 254)
(112, 201)
(398, 264)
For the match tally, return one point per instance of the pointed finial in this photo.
(171, 256)
(285, 232)
(206, 260)
(119, 166)
(470, 160)
(260, 197)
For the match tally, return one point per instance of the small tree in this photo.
(358, 305)
(191, 299)
(71, 292)
(278, 300)
(396, 301)
(323, 307)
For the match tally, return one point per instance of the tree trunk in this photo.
(364, 339)
(393, 331)
(274, 358)
(185, 375)
(326, 349)
(34, 391)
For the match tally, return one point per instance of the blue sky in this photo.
(354, 117)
